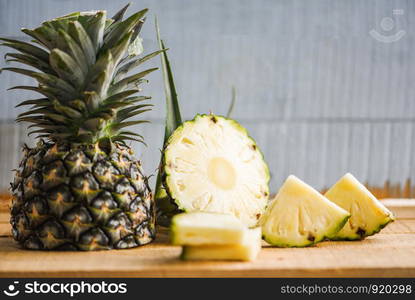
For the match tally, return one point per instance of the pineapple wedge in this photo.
(203, 228)
(245, 251)
(300, 216)
(368, 214)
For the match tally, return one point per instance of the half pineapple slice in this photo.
(199, 228)
(211, 164)
(247, 250)
(300, 216)
(368, 215)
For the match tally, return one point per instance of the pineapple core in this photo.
(221, 173)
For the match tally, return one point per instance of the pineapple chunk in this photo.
(300, 216)
(368, 215)
(201, 228)
(246, 251)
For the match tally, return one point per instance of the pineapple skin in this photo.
(79, 197)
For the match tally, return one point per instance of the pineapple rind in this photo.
(336, 237)
(81, 211)
(330, 232)
(348, 190)
(169, 184)
(293, 197)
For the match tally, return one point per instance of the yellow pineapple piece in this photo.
(204, 228)
(245, 251)
(300, 216)
(368, 214)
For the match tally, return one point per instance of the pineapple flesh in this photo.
(300, 216)
(81, 188)
(211, 164)
(247, 250)
(201, 228)
(368, 214)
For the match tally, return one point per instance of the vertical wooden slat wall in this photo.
(319, 94)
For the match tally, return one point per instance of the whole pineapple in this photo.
(81, 188)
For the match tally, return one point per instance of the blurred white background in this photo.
(323, 86)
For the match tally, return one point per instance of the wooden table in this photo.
(388, 254)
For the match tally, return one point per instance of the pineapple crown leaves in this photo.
(173, 116)
(82, 63)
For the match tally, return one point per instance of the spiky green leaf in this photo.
(173, 119)
(66, 110)
(116, 127)
(67, 42)
(95, 29)
(104, 69)
(92, 100)
(31, 61)
(76, 75)
(173, 115)
(78, 105)
(122, 71)
(37, 102)
(130, 80)
(94, 124)
(120, 96)
(120, 14)
(46, 79)
(46, 35)
(32, 88)
(120, 29)
(120, 49)
(67, 68)
(26, 48)
(78, 33)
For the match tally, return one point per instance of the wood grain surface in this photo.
(390, 253)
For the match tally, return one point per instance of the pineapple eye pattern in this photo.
(103, 207)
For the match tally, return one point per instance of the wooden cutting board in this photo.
(388, 254)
